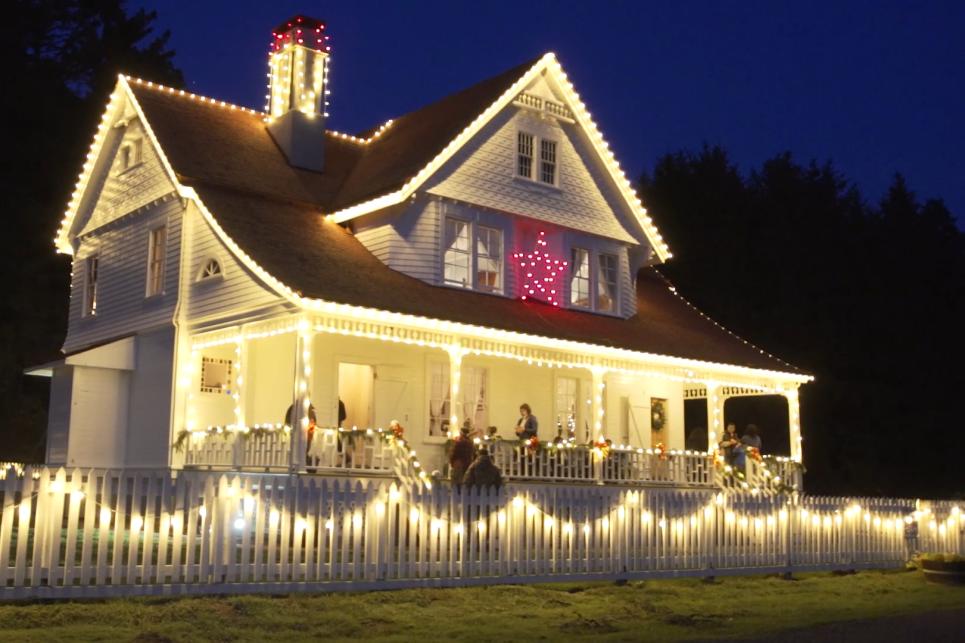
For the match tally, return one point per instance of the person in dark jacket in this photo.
(482, 472)
(310, 461)
(528, 425)
(460, 457)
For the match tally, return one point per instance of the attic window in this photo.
(130, 154)
(547, 160)
(211, 269)
(524, 164)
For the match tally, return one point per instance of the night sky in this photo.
(877, 87)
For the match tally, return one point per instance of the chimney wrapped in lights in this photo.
(298, 68)
(540, 274)
(298, 90)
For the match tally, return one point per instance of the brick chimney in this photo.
(298, 73)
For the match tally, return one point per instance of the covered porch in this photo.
(317, 393)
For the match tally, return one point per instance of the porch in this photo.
(605, 419)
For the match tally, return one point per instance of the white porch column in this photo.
(302, 395)
(715, 415)
(241, 362)
(455, 387)
(597, 411)
(794, 423)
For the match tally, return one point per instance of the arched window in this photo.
(210, 269)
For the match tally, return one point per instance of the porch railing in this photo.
(584, 464)
(771, 474)
(258, 449)
(359, 451)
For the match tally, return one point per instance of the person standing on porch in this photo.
(752, 437)
(310, 460)
(460, 456)
(527, 426)
(730, 443)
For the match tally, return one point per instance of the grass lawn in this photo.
(659, 610)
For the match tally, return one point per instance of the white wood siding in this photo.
(124, 191)
(122, 248)
(406, 240)
(149, 422)
(484, 172)
(237, 290)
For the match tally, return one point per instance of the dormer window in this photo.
(606, 289)
(580, 280)
(595, 281)
(528, 166)
(473, 256)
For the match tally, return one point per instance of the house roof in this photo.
(232, 148)
(322, 260)
(272, 210)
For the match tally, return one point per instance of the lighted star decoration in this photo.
(540, 273)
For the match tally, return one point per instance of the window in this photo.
(547, 165)
(473, 256)
(215, 375)
(489, 259)
(210, 269)
(473, 398)
(90, 285)
(580, 281)
(438, 399)
(130, 154)
(567, 398)
(606, 294)
(524, 164)
(155, 261)
(458, 253)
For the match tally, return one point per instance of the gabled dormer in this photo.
(530, 174)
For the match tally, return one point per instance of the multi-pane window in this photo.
(157, 243)
(547, 161)
(524, 148)
(580, 278)
(90, 285)
(458, 255)
(473, 256)
(606, 294)
(473, 398)
(489, 259)
(567, 398)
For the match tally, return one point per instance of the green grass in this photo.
(662, 610)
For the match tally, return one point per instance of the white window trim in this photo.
(593, 256)
(134, 146)
(204, 279)
(148, 292)
(536, 166)
(473, 227)
(90, 307)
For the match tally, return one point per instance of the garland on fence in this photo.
(227, 430)
(775, 482)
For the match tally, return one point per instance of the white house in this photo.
(448, 265)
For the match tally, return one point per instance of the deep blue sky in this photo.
(876, 87)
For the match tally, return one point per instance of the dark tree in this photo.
(868, 299)
(62, 58)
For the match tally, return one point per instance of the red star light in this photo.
(540, 273)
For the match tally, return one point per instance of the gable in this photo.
(133, 178)
(571, 107)
(483, 172)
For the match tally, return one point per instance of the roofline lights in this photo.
(550, 63)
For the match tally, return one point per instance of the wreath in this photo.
(658, 415)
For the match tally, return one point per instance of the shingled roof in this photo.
(273, 212)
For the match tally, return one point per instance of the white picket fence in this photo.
(107, 533)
